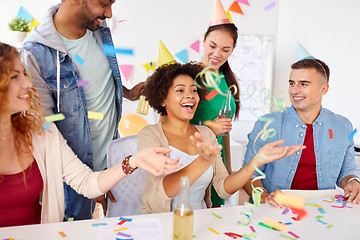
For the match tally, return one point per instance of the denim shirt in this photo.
(39, 57)
(334, 152)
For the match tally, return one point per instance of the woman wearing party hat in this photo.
(219, 42)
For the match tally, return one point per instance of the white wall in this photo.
(177, 23)
(329, 30)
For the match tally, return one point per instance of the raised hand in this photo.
(154, 161)
(271, 152)
(205, 149)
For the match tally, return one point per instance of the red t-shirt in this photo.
(19, 201)
(305, 176)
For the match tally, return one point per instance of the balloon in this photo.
(131, 124)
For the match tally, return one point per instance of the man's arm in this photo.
(134, 93)
(40, 85)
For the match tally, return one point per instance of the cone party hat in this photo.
(218, 15)
(164, 55)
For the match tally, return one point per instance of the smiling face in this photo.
(218, 46)
(18, 89)
(93, 12)
(182, 98)
(306, 88)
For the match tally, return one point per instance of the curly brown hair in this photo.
(158, 84)
(24, 124)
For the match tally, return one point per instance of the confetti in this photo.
(331, 136)
(319, 216)
(71, 219)
(329, 226)
(121, 222)
(285, 211)
(288, 237)
(321, 221)
(252, 228)
(98, 224)
(79, 59)
(95, 115)
(120, 229)
(82, 83)
(275, 224)
(351, 136)
(293, 234)
(327, 201)
(123, 234)
(211, 94)
(55, 117)
(267, 226)
(62, 234)
(269, 6)
(211, 229)
(290, 200)
(46, 126)
(321, 210)
(215, 215)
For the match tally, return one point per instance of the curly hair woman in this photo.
(172, 92)
(34, 162)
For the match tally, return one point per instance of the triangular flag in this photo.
(218, 15)
(196, 46)
(150, 65)
(182, 55)
(126, 70)
(243, 2)
(24, 14)
(229, 16)
(164, 55)
(33, 23)
(302, 53)
(235, 7)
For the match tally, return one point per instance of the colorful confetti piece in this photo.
(321, 221)
(55, 117)
(62, 234)
(98, 224)
(211, 229)
(123, 234)
(287, 237)
(321, 210)
(252, 228)
(82, 83)
(293, 234)
(215, 215)
(269, 6)
(276, 225)
(120, 229)
(95, 115)
(79, 59)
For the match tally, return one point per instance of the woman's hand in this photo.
(220, 125)
(153, 161)
(205, 149)
(271, 152)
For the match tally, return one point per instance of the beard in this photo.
(87, 22)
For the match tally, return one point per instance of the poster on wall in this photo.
(252, 64)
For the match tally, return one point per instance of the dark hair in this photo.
(158, 84)
(225, 68)
(317, 64)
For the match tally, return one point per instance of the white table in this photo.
(345, 221)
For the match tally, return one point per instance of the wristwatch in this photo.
(354, 178)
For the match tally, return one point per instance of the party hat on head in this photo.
(218, 15)
(302, 53)
(164, 55)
